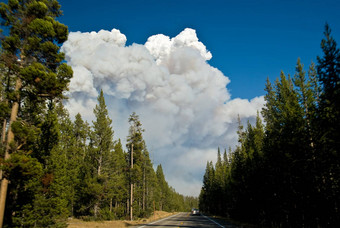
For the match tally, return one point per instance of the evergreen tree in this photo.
(80, 132)
(51, 207)
(314, 82)
(71, 151)
(149, 184)
(120, 181)
(286, 173)
(206, 194)
(100, 155)
(219, 182)
(135, 146)
(78, 161)
(164, 189)
(328, 126)
(37, 73)
(285, 153)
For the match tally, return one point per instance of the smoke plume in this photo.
(182, 101)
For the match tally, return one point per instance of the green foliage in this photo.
(34, 78)
(59, 168)
(25, 133)
(327, 130)
(98, 187)
(25, 174)
(285, 173)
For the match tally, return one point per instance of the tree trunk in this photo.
(84, 154)
(100, 165)
(131, 194)
(72, 208)
(110, 205)
(116, 207)
(3, 140)
(144, 188)
(95, 209)
(127, 206)
(10, 138)
(3, 134)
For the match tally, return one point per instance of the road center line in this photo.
(213, 221)
(159, 220)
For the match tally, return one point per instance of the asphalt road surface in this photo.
(186, 220)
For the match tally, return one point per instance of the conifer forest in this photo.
(52, 167)
(284, 172)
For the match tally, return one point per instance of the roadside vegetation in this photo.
(52, 167)
(285, 171)
(76, 223)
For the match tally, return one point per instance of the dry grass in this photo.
(76, 223)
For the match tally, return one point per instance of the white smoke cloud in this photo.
(182, 101)
(160, 46)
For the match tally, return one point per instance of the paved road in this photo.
(186, 220)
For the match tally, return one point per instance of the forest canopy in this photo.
(53, 167)
(285, 171)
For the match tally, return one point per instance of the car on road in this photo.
(195, 211)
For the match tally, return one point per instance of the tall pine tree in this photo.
(36, 69)
(328, 126)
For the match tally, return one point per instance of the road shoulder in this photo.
(77, 223)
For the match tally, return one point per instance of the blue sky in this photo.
(189, 115)
(249, 40)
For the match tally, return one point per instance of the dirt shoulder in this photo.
(77, 223)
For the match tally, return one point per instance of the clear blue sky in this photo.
(249, 40)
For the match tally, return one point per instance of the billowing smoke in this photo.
(182, 101)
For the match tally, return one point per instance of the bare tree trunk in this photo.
(127, 206)
(110, 205)
(72, 209)
(84, 151)
(100, 165)
(154, 209)
(10, 138)
(144, 188)
(131, 194)
(3, 140)
(116, 207)
(95, 209)
(3, 135)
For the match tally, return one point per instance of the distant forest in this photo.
(52, 167)
(285, 171)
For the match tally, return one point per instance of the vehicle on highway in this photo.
(195, 211)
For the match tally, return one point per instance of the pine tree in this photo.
(206, 194)
(314, 83)
(328, 127)
(135, 146)
(80, 132)
(164, 189)
(286, 173)
(31, 54)
(307, 93)
(285, 152)
(100, 155)
(149, 184)
(71, 149)
(120, 181)
(51, 206)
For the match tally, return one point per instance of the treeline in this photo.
(285, 172)
(52, 167)
(79, 170)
